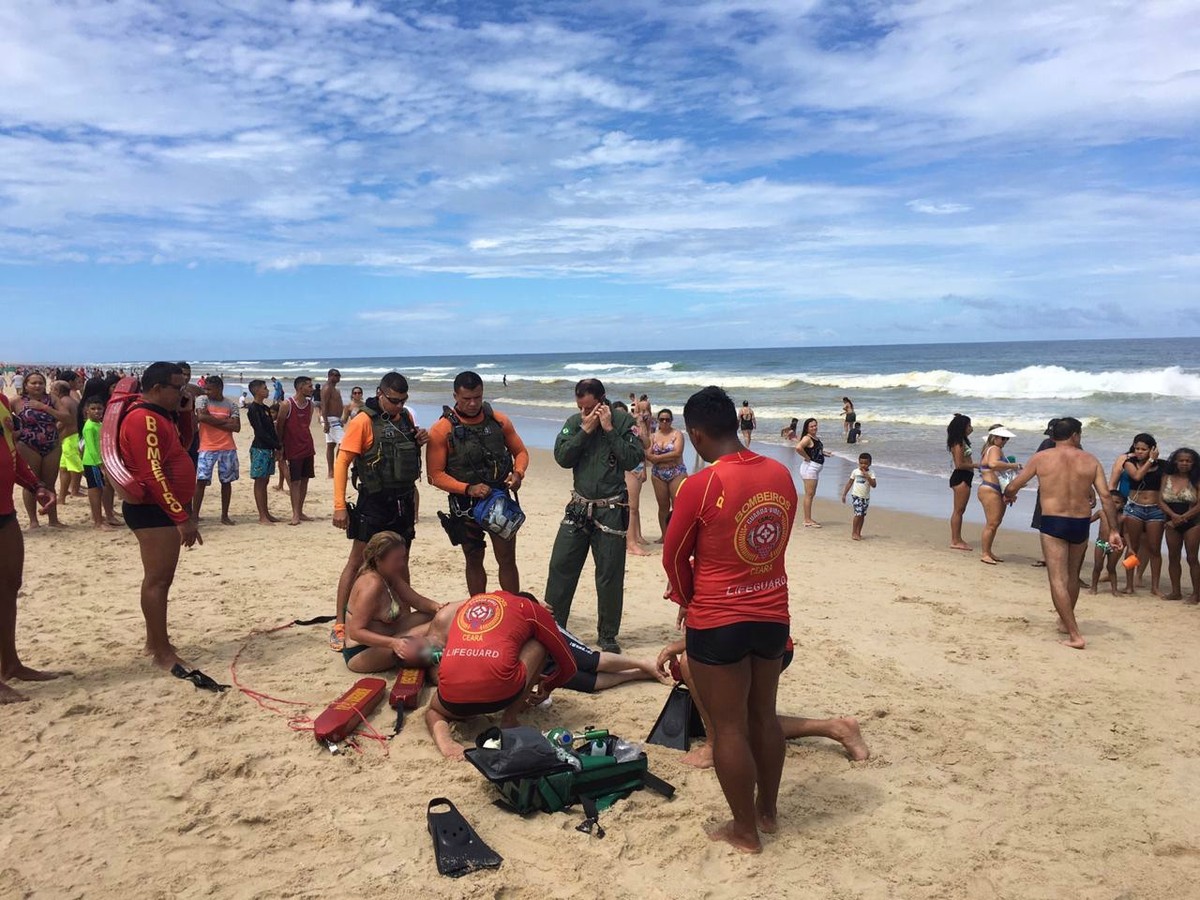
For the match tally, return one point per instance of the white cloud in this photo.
(937, 209)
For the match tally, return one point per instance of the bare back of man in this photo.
(1070, 480)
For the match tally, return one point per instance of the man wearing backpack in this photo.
(472, 451)
(382, 444)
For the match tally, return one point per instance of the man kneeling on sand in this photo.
(1069, 481)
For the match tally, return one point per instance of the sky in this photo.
(264, 179)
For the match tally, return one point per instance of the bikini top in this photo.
(664, 448)
(1185, 495)
(1151, 481)
(394, 608)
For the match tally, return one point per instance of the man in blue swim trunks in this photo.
(1070, 482)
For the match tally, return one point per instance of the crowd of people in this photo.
(1143, 502)
(724, 534)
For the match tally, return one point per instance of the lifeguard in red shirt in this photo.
(724, 557)
(496, 649)
(152, 451)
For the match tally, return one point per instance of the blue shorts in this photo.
(224, 461)
(262, 462)
(1144, 513)
(860, 505)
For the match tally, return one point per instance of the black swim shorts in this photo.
(731, 644)
(587, 662)
(466, 710)
(299, 469)
(961, 476)
(145, 515)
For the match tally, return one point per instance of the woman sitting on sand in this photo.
(382, 607)
(1180, 500)
(991, 491)
(668, 469)
(812, 453)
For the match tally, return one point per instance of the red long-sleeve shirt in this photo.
(724, 548)
(481, 663)
(13, 469)
(153, 452)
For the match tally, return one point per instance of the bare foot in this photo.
(1076, 643)
(304, 518)
(294, 521)
(768, 823)
(1155, 592)
(847, 733)
(266, 521)
(730, 834)
(856, 537)
(698, 757)
(1092, 590)
(990, 560)
(104, 526)
(278, 487)
(113, 520)
(962, 546)
(33, 526)
(24, 673)
(1062, 628)
(273, 519)
(635, 550)
(8, 695)
(1173, 596)
(168, 660)
(1192, 600)
(58, 524)
(812, 524)
(225, 520)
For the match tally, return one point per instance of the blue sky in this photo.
(265, 179)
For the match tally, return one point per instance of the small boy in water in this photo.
(859, 488)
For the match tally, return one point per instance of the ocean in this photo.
(904, 396)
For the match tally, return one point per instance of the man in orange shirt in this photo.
(383, 445)
(219, 420)
(472, 451)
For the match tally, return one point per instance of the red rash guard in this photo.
(724, 549)
(151, 448)
(482, 663)
(13, 469)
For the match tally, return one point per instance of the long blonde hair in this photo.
(377, 548)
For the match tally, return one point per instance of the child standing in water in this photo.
(859, 488)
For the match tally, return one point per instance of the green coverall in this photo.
(600, 461)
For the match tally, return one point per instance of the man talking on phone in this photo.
(599, 444)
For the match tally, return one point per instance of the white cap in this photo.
(1001, 431)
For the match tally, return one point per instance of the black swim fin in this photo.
(198, 678)
(678, 722)
(458, 849)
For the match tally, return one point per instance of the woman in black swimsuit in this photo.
(1180, 500)
(849, 417)
(960, 479)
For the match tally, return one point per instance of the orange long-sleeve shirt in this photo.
(437, 451)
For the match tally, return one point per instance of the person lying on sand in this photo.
(844, 730)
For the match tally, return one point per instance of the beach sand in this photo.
(1004, 765)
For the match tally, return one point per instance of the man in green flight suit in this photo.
(600, 444)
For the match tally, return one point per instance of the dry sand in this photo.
(1004, 764)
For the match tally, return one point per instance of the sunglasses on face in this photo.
(395, 401)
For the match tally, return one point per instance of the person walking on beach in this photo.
(1069, 480)
(747, 422)
(599, 444)
(13, 471)
(959, 446)
(294, 427)
(812, 456)
(991, 491)
(724, 557)
(149, 443)
(472, 451)
(383, 445)
(331, 407)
